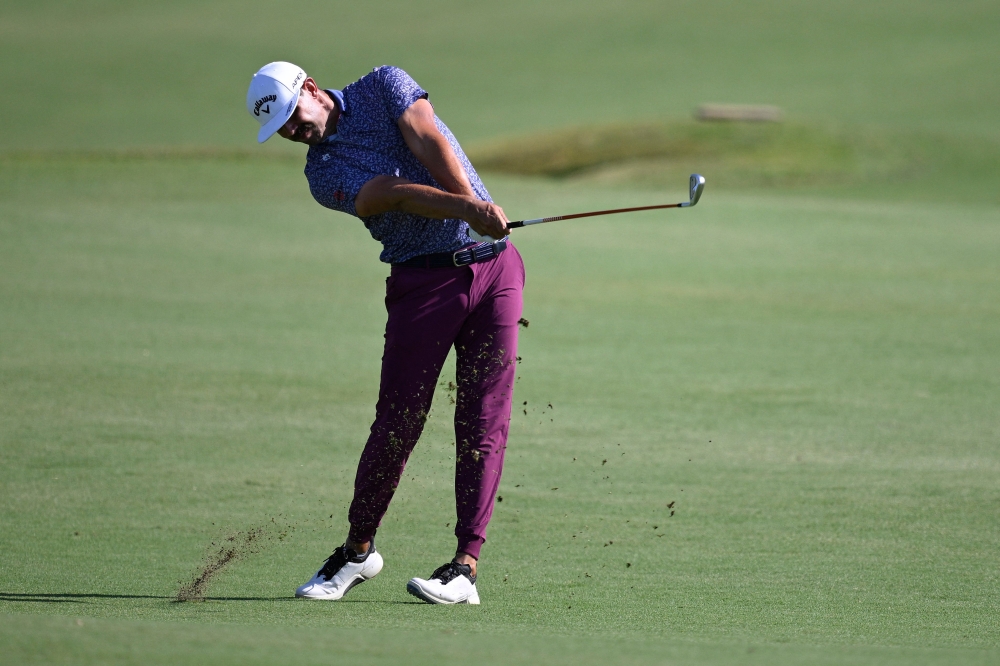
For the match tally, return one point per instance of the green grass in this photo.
(803, 368)
(185, 342)
(744, 156)
(88, 641)
(774, 153)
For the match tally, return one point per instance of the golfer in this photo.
(378, 152)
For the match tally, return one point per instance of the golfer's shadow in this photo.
(67, 598)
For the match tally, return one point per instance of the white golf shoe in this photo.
(341, 571)
(452, 583)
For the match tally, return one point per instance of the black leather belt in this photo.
(467, 255)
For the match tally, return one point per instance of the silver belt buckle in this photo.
(498, 246)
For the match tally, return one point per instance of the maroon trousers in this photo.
(475, 309)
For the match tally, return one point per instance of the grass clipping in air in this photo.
(736, 154)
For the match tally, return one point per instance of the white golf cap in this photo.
(273, 94)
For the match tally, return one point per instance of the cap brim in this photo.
(274, 124)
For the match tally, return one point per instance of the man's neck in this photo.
(333, 118)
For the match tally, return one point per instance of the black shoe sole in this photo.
(418, 593)
(354, 583)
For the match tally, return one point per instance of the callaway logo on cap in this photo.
(273, 94)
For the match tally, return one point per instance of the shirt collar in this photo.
(338, 99)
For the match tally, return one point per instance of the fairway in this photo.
(761, 430)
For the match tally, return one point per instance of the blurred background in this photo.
(111, 74)
(872, 93)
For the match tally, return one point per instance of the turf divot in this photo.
(232, 548)
(225, 551)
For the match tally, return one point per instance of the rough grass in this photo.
(797, 152)
(742, 155)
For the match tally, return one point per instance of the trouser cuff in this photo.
(361, 534)
(470, 545)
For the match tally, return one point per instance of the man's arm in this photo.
(384, 193)
(432, 149)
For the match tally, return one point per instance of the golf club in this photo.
(696, 187)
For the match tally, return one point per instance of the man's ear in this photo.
(309, 85)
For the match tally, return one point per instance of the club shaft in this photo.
(540, 220)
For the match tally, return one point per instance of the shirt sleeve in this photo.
(399, 91)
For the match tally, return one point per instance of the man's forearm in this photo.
(382, 195)
(431, 202)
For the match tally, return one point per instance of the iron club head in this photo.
(695, 187)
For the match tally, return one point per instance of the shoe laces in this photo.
(334, 563)
(452, 570)
(341, 557)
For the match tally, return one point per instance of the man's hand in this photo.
(382, 194)
(487, 219)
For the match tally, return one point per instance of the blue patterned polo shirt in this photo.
(368, 143)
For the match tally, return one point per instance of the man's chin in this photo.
(311, 138)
